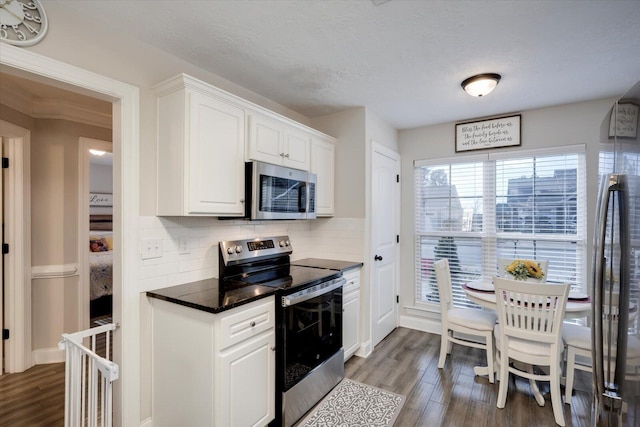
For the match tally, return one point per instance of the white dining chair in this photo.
(504, 262)
(577, 341)
(529, 330)
(466, 321)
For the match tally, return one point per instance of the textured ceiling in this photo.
(402, 59)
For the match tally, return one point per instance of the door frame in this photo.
(125, 99)
(383, 150)
(17, 302)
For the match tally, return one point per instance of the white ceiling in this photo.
(402, 59)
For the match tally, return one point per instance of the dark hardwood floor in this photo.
(405, 363)
(35, 397)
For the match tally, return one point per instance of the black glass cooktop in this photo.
(296, 279)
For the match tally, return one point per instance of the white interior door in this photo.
(385, 190)
(2, 262)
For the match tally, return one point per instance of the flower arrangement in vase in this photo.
(523, 269)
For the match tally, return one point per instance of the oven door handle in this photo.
(298, 297)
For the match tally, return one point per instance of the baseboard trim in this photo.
(44, 356)
(365, 349)
(421, 324)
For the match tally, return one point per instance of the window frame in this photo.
(490, 236)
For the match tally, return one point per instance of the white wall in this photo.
(348, 127)
(546, 127)
(355, 130)
(381, 132)
(100, 181)
(101, 178)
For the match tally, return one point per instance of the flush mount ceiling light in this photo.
(96, 152)
(481, 84)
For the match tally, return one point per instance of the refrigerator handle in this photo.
(609, 388)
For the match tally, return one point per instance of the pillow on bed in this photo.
(109, 241)
(103, 235)
(98, 245)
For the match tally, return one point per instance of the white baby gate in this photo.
(88, 378)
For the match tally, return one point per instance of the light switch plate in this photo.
(183, 245)
(151, 248)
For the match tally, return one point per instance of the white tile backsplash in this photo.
(332, 238)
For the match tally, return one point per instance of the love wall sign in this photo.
(493, 133)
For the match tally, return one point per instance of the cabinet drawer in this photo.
(353, 281)
(246, 322)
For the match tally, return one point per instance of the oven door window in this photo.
(282, 195)
(313, 333)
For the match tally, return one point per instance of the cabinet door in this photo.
(216, 157)
(297, 151)
(323, 165)
(247, 372)
(266, 138)
(351, 323)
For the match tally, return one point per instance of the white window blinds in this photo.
(478, 210)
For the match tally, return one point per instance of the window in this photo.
(477, 209)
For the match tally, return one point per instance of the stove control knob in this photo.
(287, 243)
(238, 249)
(282, 243)
(230, 250)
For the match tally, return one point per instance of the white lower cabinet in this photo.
(351, 313)
(213, 369)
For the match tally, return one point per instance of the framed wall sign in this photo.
(491, 133)
(624, 124)
(100, 199)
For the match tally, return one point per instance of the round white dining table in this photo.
(487, 299)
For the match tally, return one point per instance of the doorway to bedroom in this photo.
(96, 227)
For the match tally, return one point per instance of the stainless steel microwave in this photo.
(278, 192)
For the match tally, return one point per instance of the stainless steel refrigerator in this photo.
(616, 269)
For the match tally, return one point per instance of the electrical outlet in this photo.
(151, 248)
(183, 245)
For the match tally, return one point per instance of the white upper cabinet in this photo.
(201, 143)
(278, 142)
(205, 135)
(323, 165)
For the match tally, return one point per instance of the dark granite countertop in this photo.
(329, 264)
(206, 295)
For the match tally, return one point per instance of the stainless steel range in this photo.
(309, 354)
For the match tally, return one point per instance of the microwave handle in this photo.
(302, 197)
